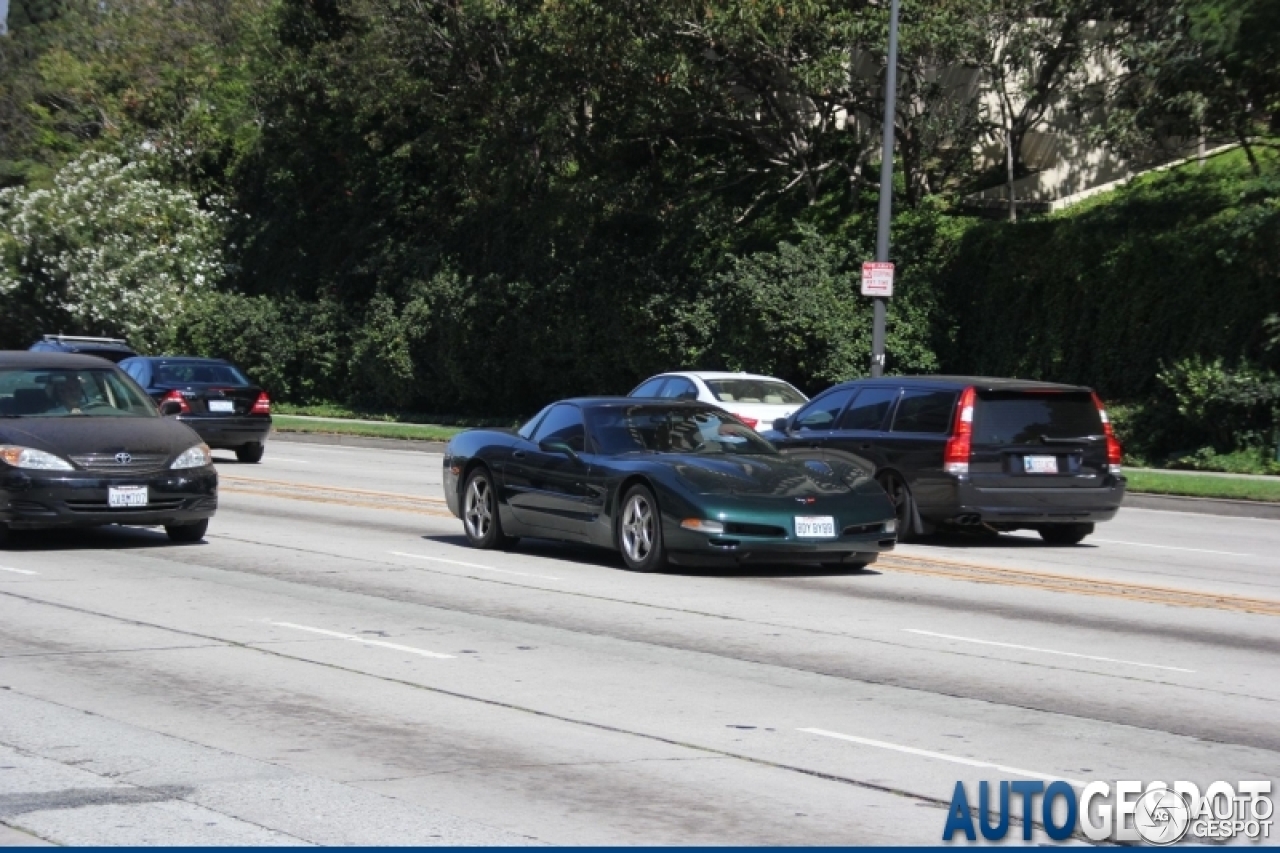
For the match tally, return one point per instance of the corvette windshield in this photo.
(62, 393)
(660, 429)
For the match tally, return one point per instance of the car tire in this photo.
(481, 520)
(187, 533)
(904, 507)
(1065, 534)
(6, 536)
(638, 531)
(251, 453)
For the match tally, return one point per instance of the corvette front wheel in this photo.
(639, 531)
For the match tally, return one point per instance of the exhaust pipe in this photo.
(969, 520)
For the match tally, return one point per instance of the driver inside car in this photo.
(68, 396)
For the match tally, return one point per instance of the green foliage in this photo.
(1175, 266)
(106, 250)
(294, 349)
(1230, 408)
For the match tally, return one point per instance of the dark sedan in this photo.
(81, 446)
(212, 397)
(661, 481)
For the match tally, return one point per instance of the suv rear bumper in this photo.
(1035, 506)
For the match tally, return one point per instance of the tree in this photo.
(105, 250)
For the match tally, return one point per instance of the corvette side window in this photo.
(563, 423)
(526, 431)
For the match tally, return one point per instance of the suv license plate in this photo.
(126, 496)
(1040, 464)
(815, 526)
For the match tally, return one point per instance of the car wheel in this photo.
(187, 532)
(639, 531)
(903, 507)
(251, 453)
(1065, 534)
(480, 518)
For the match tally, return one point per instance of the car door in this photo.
(916, 441)
(858, 438)
(547, 488)
(811, 427)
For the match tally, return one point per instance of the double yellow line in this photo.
(926, 566)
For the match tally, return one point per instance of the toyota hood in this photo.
(75, 436)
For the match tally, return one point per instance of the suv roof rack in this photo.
(88, 339)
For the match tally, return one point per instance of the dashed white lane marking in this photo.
(1044, 651)
(472, 565)
(355, 638)
(924, 753)
(18, 571)
(1169, 547)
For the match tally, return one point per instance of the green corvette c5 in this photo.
(662, 481)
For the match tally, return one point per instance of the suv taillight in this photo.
(955, 459)
(175, 396)
(1115, 453)
(262, 405)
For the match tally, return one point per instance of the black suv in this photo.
(112, 349)
(970, 451)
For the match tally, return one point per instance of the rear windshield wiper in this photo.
(1075, 440)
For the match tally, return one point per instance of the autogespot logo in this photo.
(1156, 813)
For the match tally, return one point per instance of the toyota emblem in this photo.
(124, 458)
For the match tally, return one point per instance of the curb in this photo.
(409, 444)
(1203, 506)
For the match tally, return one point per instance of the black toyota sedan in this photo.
(212, 397)
(662, 481)
(82, 446)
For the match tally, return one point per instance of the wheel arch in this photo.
(615, 504)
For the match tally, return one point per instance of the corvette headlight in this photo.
(197, 457)
(29, 457)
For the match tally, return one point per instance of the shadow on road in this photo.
(587, 555)
(109, 538)
(986, 539)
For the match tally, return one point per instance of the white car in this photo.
(756, 400)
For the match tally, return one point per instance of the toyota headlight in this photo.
(197, 457)
(29, 457)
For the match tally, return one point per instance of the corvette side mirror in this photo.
(553, 446)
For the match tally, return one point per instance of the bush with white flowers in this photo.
(106, 250)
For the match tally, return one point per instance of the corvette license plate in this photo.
(1040, 464)
(815, 527)
(222, 406)
(127, 496)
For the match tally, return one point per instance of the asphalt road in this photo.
(335, 666)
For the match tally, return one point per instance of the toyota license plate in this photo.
(222, 406)
(125, 497)
(815, 527)
(1040, 464)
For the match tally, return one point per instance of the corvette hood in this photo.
(764, 475)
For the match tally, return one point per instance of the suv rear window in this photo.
(1022, 417)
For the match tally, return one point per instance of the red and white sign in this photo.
(877, 279)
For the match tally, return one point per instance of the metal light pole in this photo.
(886, 187)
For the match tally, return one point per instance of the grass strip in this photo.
(1204, 487)
(420, 432)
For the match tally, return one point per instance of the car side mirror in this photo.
(550, 445)
(781, 424)
(169, 408)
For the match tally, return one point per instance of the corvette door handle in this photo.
(519, 454)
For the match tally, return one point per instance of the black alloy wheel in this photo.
(1065, 534)
(638, 531)
(187, 533)
(480, 519)
(251, 453)
(903, 504)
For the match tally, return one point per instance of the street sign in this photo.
(877, 279)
